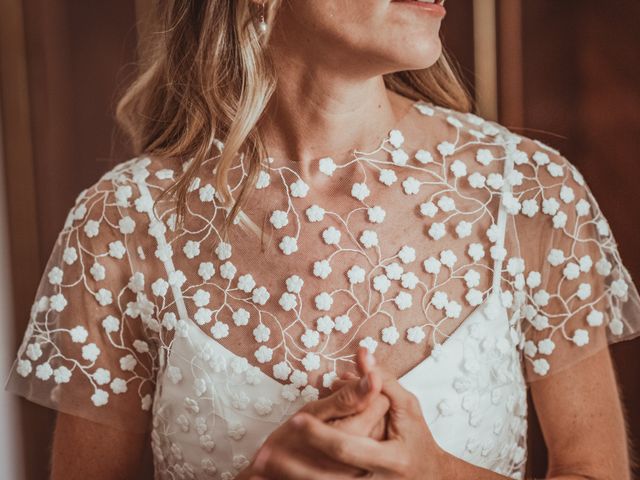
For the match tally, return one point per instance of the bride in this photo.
(320, 264)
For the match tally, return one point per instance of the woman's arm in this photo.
(83, 449)
(582, 421)
(580, 413)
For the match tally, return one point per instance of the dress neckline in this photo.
(351, 153)
(492, 296)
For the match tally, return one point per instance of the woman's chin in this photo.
(419, 58)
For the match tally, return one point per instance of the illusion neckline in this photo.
(348, 155)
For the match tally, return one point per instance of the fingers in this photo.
(345, 378)
(365, 360)
(400, 398)
(365, 422)
(352, 398)
(356, 450)
(275, 464)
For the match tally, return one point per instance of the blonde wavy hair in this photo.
(206, 82)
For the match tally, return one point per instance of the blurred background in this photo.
(564, 72)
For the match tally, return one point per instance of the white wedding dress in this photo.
(470, 258)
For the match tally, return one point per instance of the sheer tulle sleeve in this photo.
(88, 349)
(577, 296)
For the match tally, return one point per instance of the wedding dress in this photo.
(472, 259)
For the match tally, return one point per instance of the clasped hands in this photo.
(369, 426)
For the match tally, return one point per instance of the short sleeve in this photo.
(89, 347)
(577, 296)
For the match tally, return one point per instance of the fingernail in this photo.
(363, 385)
(370, 359)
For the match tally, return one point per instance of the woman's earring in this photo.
(263, 26)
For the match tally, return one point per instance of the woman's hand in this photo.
(409, 451)
(356, 407)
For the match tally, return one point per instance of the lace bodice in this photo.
(140, 321)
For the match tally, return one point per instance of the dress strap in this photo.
(506, 198)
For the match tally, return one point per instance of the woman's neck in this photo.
(314, 114)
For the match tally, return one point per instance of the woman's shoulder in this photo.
(462, 134)
(122, 203)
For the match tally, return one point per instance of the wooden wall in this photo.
(581, 82)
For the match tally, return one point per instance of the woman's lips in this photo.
(435, 7)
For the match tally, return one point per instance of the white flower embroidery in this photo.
(260, 295)
(90, 352)
(310, 338)
(311, 361)
(343, 323)
(360, 191)
(369, 343)
(288, 245)
(219, 330)
(376, 214)
(294, 284)
(396, 138)
(437, 230)
(299, 188)
(381, 283)
(424, 157)
(281, 370)
(288, 301)
(62, 375)
(356, 274)
(325, 324)
(428, 209)
(321, 268)
(387, 177)
(399, 157)
(261, 333)
(411, 186)
(206, 270)
(315, 213)
(100, 397)
(279, 219)
(432, 265)
(484, 156)
(110, 324)
(331, 236)
(415, 334)
(79, 334)
(327, 166)
(323, 301)
(390, 335)
(580, 337)
(369, 238)
(264, 354)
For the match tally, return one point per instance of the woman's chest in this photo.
(351, 262)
